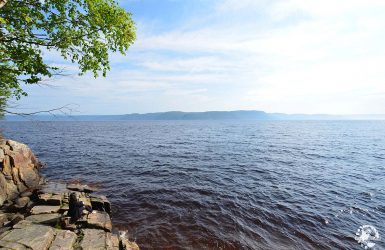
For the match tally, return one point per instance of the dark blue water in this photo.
(225, 185)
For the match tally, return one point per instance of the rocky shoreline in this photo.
(33, 213)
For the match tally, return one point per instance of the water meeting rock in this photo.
(33, 215)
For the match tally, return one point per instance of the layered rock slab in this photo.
(64, 240)
(34, 236)
(99, 220)
(19, 169)
(95, 239)
(44, 209)
(46, 219)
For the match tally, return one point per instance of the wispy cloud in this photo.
(291, 56)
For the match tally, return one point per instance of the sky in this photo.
(289, 56)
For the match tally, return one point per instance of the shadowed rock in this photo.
(21, 202)
(47, 219)
(51, 199)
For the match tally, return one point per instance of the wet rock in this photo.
(47, 219)
(130, 246)
(53, 188)
(64, 240)
(100, 220)
(22, 202)
(36, 237)
(93, 239)
(81, 188)
(45, 209)
(125, 243)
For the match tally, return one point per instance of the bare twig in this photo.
(65, 110)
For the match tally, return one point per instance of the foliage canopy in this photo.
(82, 31)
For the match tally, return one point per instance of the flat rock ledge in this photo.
(38, 222)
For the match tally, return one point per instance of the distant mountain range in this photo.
(209, 115)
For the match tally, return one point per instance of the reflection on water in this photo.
(225, 185)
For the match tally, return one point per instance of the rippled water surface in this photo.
(225, 184)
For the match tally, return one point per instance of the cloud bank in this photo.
(278, 56)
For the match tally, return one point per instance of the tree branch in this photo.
(50, 111)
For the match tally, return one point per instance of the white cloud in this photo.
(296, 56)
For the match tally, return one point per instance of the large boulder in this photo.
(19, 169)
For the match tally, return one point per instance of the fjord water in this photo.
(225, 184)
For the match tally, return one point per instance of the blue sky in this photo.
(293, 56)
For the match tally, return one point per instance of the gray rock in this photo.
(93, 239)
(4, 229)
(16, 218)
(100, 220)
(54, 188)
(100, 203)
(12, 245)
(22, 224)
(64, 240)
(2, 155)
(21, 202)
(26, 194)
(36, 237)
(47, 219)
(3, 186)
(45, 209)
(3, 219)
(30, 204)
(50, 199)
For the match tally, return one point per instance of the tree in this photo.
(82, 31)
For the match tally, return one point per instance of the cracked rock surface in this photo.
(44, 227)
